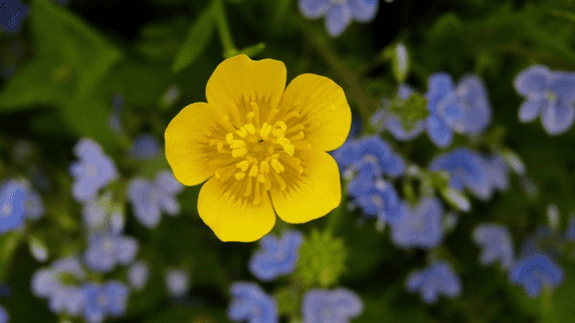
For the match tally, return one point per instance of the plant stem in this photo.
(223, 29)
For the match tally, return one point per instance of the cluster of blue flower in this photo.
(279, 257)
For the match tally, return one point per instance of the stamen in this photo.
(280, 180)
(227, 124)
(295, 163)
(277, 166)
(237, 144)
(264, 167)
(248, 190)
(256, 111)
(250, 128)
(242, 132)
(243, 165)
(257, 196)
(272, 115)
(239, 152)
(296, 128)
(279, 129)
(265, 130)
(229, 138)
(297, 137)
(239, 176)
(291, 115)
(254, 171)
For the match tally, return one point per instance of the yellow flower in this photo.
(261, 147)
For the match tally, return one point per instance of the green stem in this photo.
(223, 28)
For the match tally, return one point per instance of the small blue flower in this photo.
(467, 170)
(495, 240)
(11, 15)
(534, 272)
(62, 296)
(93, 172)
(12, 196)
(339, 13)
(250, 303)
(138, 275)
(323, 306)
(549, 94)
(376, 158)
(4, 317)
(177, 282)
(103, 300)
(105, 251)
(144, 147)
(376, 198)
(466, 109)
(149, 199)
(439, 85)
(419, 227)
(434, 280)
(277, 257)
(384, 120)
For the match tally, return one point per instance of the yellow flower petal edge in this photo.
(317, 192)
(260, 148)
(322, 109)
(186, 138)
(233, 220)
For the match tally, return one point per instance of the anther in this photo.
(250, 128)
(265, 130)
(277, 166)
(254, 171)
(243, 165)
(239, 152)
(239, 175)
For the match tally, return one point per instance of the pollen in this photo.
(258, 152)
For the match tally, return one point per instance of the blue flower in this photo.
(105, 251)
(323, 306)
(278, 257)
(12, 197)
(52, 284)
(138, 275)
(464, 109)
(177, 282)
(250, 303)
(467, 170)
(419, 227)
(93, 172)
(549, 94)
(339, 14)
(495, 240)
(149, 199)
(103, 300)
(11, 15)
(144, 147)
(376, 158)
(96, 215)
(534, 272)
(4, 317)
(434, 280)
(376, 198)
(17, 202)
(384, 120)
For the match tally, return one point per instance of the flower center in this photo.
(91, 170)
(258, 152)
(6, 210)
(551, 96)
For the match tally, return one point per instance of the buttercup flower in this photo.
(261, 148)
(339, 13)
(549, 94)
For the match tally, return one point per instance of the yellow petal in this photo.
(185, 137)
(234, 220)
(318, 192)
(324, 109)
(239, 80)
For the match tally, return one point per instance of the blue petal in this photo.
(533, 79)
(118, 295)
(558, 117)
(472, 96)
(395, 127)
(563, 84)
(314, 8)
(531, 108)
(363, 10)
(438, 86)
(438, 131)
(126, 250)
(338, 18)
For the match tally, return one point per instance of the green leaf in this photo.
(196, 41)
